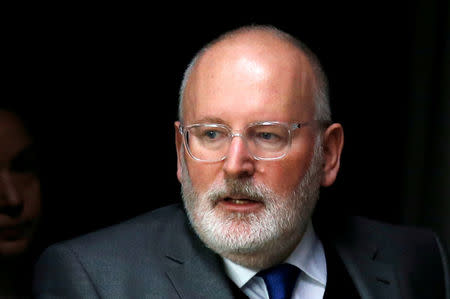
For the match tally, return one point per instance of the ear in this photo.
(333, 142)
(179, 145)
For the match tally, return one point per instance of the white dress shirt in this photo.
(308, 256)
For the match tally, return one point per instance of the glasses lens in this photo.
(211, 142)
(207, 142)
(268, 140)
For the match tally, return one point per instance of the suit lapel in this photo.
(194, 270)
(360, 254)
(372, 278)
(200, 277)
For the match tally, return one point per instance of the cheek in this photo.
(283, 179)
(202, 175)
(284, 176)
(32, 199)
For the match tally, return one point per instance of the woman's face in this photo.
(20, 194)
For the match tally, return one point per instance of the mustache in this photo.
(238, 188)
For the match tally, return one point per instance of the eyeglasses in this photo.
(267, 140)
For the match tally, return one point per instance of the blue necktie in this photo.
(280, 280)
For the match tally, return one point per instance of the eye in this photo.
(266, 135)
(211, 134)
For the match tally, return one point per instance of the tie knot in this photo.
(280, 280)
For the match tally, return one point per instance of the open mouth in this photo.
(239, 201)
(240, 204)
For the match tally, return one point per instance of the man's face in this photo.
(241, 205)
(20, 198)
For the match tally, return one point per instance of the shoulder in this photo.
(132, 251)
(149, 235)
(416, 254)
(394, 242)
(376, 231)
(393, 238)
(144, 231)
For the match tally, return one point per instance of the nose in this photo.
(9, 197)
(239, 161)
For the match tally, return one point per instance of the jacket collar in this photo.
(372, 278)
(194, 270)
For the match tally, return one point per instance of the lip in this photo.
(13, 232)
(241, 205)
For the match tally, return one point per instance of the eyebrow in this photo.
(208, 119)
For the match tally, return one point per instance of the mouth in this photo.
(240, 204)
(14, 232)
(239, 201)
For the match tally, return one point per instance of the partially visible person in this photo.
(255, 142)
(20, 205)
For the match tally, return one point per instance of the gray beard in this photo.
(258, 239)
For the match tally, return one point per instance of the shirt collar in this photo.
(308, 256)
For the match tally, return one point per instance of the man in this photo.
(254, 145)
(20, 205)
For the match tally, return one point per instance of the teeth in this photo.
(239, 201)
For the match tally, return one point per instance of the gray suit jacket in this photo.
(156, 255)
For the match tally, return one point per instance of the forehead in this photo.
(13, 136)
(252, 77)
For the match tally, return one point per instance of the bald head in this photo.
(265, 52)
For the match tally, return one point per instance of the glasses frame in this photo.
(291, 127)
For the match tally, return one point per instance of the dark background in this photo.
(100, 86)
